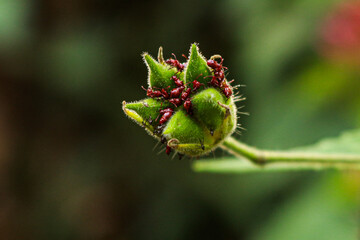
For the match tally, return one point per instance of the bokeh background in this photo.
(72, 166)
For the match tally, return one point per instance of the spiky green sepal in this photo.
(160, 74)
(197, 68)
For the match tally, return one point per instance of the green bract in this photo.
(194, 130)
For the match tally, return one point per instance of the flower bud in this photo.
(190, 106)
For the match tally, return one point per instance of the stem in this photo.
(263, 157)
(231, 165)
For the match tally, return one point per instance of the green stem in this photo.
(231, 165)
(268, 161)
(264, 157)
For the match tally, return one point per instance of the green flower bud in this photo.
(190, 106)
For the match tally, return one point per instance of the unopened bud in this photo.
(190, 107)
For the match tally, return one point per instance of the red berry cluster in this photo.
(218, 80)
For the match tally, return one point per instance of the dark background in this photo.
(72, 166)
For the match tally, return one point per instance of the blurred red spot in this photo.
(340, 35)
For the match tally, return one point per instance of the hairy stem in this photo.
(270, 161)
(231, 165)
(262, 160)
(264, 157)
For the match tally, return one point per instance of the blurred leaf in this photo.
(319, 213)
(14, 27)
(347, 142)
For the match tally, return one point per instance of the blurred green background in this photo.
(72, 166)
